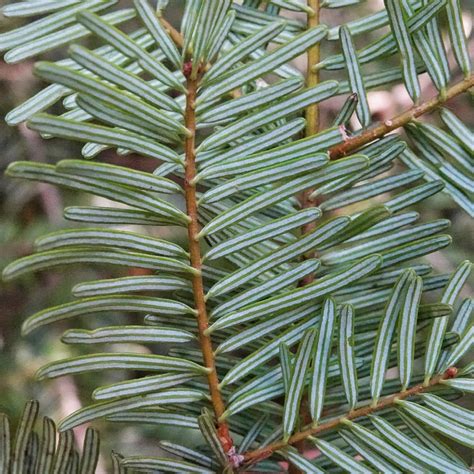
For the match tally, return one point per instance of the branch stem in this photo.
(351, 144)
(310, 430)
(312, 111)
(195, 259)
(312, 127)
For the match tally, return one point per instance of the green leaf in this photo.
(209, 431)
(412, 448)
(265, 232)
(128, 47)
(289, 105)
(92, 237)
(242, 49)
(286, 363)
(458, 36)
(127, 333)
(269, 287)
(445, 143)
(386, 332)
(347, 356)
(116, 458)
(221, 34)
(232, 165)
(435, 38)
(252, 145)
(347, 109)
(252, 398)
(284, 254)
(62, 37)
(30, 8)
(464, 385)
(457, 128)
(47, 446)
(121, 77)
(461, 415)
(23, 432)
(159, 34)
(268, 351)
(356, 80)
(439, 423)
(106, 361)
(63, 451)
(463, 346)
(368, 453)
(160, 418)
(99, 304)
(317, 386)
(143, 200)
(297, 382)
(121, 406)
(407, 330)
(428, 53)
(339, 457)
(228, 111)
(267, 198)
(207, 22)
(84, 132)
(430, 440)
(166, 283)
(90, 452)
(415, 249)
(237, 77)
(50, 23)
(260, 330)
(323, 286)
(5, 446)
(122, 100)
(386, 45)
(299, 461)
(143, 385)
(255, 179)
(187, 453)
(414, 195)
(113, 215)
(388, 451)
(368, 190)
(385, 242)
(438, 329)
(252, 434)
(37, 103)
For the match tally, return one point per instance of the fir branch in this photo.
(353, 143)
(312, 127)
(195, 259)
(312, 111)
(258, 455)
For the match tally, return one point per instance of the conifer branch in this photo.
(353, 143)
(312, 111)
(195, 260)
(312, 127)
(257, 455)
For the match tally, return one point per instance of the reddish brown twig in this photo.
(195, 257)
(262, 453)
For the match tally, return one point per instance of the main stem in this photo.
(262, 453)
(312, 127)
(195, 258)
(312, 111)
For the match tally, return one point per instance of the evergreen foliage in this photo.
(281, 339)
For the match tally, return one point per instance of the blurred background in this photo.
(28, 210)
